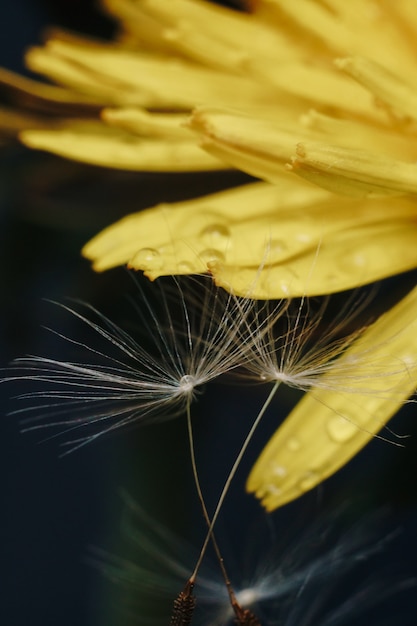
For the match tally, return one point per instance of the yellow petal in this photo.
(254, 145)
(342, 261)
(12, 122)
(41, 97)
(173, 238)
(389, 88)
(116, 75)
(319, 87)
(306, 240)
(326, 429)
(355, 27)
(388, 140)
(86, 84)
(213, 35)
(144, 123)
(101, 145)
(261, 146)
(354, 172)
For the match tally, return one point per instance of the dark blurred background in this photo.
(54, 510)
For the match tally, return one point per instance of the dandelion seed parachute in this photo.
(289, 359)
(377, 374)
(191, 341)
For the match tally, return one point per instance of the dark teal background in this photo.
(54, 510)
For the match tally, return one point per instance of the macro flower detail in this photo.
(311, 96)
(316, 100)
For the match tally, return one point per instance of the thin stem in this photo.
(205, 512)
(231, 476)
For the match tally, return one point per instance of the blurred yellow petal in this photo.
(41, 97)
(358, 26)
(108, 147)
(326, 429)
(87, 83)
(12, 122)
(387, 87)
(144, 123)
(211, 34)
(116, 75)
(319, 87)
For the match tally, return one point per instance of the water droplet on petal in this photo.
(354, 260)
(359, 259)
(269, 283)
(285, 287)
(149, 258)
(331, 278)
(293, 444)
(277, 246)
(340, 429)
(303, 237)
(272, 490)
(215, 234)
(171, 34)
(184, 267)
(211, 255)
(309, 480)
(278, 470)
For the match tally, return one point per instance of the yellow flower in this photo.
(315, 99)
(327, 427)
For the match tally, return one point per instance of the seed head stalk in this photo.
(243, 616)
(232, 474)
(210, 534)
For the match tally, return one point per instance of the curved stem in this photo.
(231, 476)
(205, 512)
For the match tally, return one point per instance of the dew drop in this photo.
(409, 360)
(340, 429)
(293, 444)
(149, 257)
(211, 255)
(356, 260)
(277, 470)
(331, 278)
(184, 267)
(187, 383)
(359, 260)
(309, 480)
(272, 490)
(303, 237)
(277, 246)
(171, 34)
(285, 287)
(215, 234)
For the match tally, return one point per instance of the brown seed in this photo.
(184, 605)
(245, 617)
